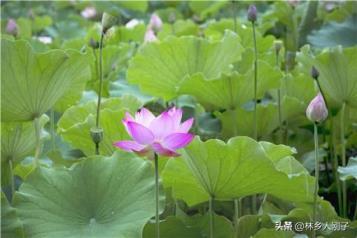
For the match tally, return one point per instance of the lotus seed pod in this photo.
(11, 27)
(96, 134)
(107, 22)
(252, 13)
(317, 110)
(314, 73)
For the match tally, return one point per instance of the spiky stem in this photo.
(335, 165)
(317, 170)
(236, 215)
(97, 121)
(211, 222)
(343, 157)
(36, 123)
(254, 197)
(157, 218)
(12, 179)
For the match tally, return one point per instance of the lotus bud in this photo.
(278, 44)
(89, 13)
(155, 23)
(317, 110)
(314, 73)
(11, 27)
(96, 134)
(252, 13)
(150, 36)
(107, 22)
(93, 43)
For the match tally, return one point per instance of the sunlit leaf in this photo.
(75, 124)
(337, 74)
(242, 120)
(231, 91)
(226, 171)
(33, 82)
(158, 68)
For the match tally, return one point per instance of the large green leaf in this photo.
(75, 124)
(98, 197)
(335, 33)
(11, 227)
(238, 168)
(350, 171)
(196, 226)
(33, 82)
(337, 67)
(18, 140)
(242, 120)
(231, 91)
(158, 68)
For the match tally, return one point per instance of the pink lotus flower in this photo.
(317, 111)
(162, 135)
(150, 36)
(89, 13)
(11, 27)
(155, 23)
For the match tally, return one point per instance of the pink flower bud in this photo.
(317, 111)
(155, 23)
(150, 36)
(89, 13)
(11, 27)
(252, 13)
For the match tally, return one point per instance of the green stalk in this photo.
(236, 214)
(100, 88)
(234, 9)
(254, 197)
(157, 218)
(210, 211)
(52, 119)
(255, 82)
(279, 101)
(12, 179)
(36, 123)
(317, 170)
(335, 165)
(343, 156)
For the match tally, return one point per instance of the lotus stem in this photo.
(12, 179)
(157, 218)
(254, 197)
(335, 165)
(234, 10)
(237, 208)
(343, 157)
(97, 121)
(279, 101)
(36, 123)
(210, 211)
(52, 122)
(317, 170)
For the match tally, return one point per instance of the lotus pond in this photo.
(178, 119)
